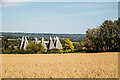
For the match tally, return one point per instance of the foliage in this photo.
(29, 52)
(17, 47)
(76, 46)
(36, 47)
(5, 45)
(104, 38)
(14, 42)
(68, 46)
(79, 46)
(54, 51)
(21, 51)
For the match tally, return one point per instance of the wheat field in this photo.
(80, 65)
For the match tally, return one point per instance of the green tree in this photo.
(36, 47)
(68, 46)
(106, 37)
(5, 45)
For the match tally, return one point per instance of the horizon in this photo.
(39, 32)
(56, 17)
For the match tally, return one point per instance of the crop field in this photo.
(77, 65)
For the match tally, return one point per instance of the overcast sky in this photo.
(56, 17)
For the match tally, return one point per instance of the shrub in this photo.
(41, 48)
(30, 52)
(54, 51)
(36, 47)
(68, 46)
(21, 51)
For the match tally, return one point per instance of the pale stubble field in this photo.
(80, 65)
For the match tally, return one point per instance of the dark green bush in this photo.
(54, 51)
(21, 51)
(30, 52)
(36, 47)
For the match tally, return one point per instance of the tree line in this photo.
(106, 37)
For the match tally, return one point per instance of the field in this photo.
(80, 65)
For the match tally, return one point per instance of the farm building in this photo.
(53, 43)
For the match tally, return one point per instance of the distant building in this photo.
(55, 43)
(36, 40)
(24, 43)
(58, 43)
(51, 44)
(43, 43)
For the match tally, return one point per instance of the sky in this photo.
(56, 17)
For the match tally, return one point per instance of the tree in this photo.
(68, 46)
(36, 47)
(5, 45)
(106, 37)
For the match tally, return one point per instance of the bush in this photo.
(21, 51)
(36, 47)
(54, 51)
(41, 48)
(68, 46)
(30, 52)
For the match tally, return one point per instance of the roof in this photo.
(24, 43)
(58, 43)
(36, 40)
(43, 43)
(51, 44)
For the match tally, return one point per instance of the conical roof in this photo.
(58, 43)
(36, 40)
(54, 40)
(51, 44)
(24, 43)
(43, 43)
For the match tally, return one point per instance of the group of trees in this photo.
(106, 37)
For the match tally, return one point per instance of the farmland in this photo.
(79, 65)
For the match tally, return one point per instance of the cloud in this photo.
(91, 13)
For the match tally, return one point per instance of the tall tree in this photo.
(5, 44)
(104, 37)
